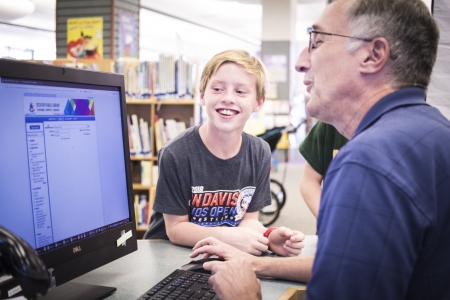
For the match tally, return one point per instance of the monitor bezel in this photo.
(100, 249)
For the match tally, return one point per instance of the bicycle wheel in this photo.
(269, 214)
(277, 188)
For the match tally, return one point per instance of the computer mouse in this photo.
(19, 259)
(197, 265)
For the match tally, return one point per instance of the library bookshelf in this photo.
(150, 110)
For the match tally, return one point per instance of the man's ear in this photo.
(259, 104)
(376, 56)
(202, 100)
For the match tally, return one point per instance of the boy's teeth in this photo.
(226, 112)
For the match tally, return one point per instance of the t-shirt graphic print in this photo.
(217, 208)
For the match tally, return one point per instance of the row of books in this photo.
(142, 209)
(148, 168)
(165, 130)
(167, 78)
(139, 135)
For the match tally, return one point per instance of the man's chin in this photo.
(311, 111)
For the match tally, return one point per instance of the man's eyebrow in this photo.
(316, 27)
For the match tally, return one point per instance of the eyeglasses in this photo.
(314, 33)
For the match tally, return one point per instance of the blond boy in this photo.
(214, 178)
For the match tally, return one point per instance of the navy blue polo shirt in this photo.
(384, 219)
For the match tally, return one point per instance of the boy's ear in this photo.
(202, 100)
(259, 104)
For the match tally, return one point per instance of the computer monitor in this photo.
(65, 181)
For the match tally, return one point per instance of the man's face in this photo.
(330, 71)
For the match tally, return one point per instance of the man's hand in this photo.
(246, 239)
(235, 279)
(286, 242)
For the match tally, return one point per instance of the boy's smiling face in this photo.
(230, 98)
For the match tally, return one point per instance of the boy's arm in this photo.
(292, 268)
(181, 231)
(250, 220)
(282, 241)
(311, 188)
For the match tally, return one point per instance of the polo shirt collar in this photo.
(403, 97)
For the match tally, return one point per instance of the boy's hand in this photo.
(246, 239)
(286, 242)
(212, 246)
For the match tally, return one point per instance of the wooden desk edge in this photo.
(294, 293)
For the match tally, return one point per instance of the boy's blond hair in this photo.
(241, 57)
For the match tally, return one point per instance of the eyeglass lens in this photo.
(311, 40)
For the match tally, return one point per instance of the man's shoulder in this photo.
(399, 137)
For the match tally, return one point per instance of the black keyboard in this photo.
(182, 285)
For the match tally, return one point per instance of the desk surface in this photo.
(135, 273)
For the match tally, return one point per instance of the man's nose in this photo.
(303, 62)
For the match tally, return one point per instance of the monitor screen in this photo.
(65, 172)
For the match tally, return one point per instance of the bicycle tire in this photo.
(269, 214)
(279, 191)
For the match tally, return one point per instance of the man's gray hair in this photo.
(409, 28)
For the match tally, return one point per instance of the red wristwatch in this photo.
(268, 231)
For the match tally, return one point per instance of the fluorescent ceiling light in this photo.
(11, 10)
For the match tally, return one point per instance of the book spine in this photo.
(136, 135)
(146, 167)
(145, 138)
(142, 209)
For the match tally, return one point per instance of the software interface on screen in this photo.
(62, 156)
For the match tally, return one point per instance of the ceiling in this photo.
(239, 18)
(211, 27)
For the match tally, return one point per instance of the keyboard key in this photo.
(188, 293)
(182, 285)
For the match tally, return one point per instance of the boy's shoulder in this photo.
(181, 141)
(256, 142)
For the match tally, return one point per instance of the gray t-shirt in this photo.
(212, 191)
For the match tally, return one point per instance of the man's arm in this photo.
(289, 268)
(311, 188)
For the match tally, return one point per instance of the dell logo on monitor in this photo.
(77, 249)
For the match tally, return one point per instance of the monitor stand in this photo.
(74, 290)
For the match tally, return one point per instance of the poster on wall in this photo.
(85, 38)
(128, 34)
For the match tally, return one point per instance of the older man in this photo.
(383, 225)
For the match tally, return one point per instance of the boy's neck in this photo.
(223, 145)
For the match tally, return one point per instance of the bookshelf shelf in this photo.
(151, 110)
(162, 102)
(140, 187)
(137, 158)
